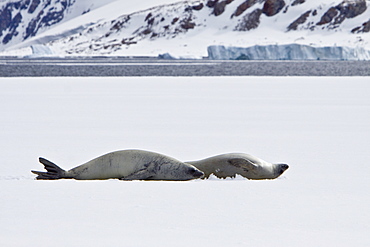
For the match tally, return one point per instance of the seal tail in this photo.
(53, 171)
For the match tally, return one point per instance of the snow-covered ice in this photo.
(320, 126)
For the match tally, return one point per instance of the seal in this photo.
(124, 165)
(246, 165)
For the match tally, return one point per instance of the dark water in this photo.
(118, 66)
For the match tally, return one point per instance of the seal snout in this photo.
(283, 168)
(196, 173)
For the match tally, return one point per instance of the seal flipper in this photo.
(143, 174)
(53, 171)
(244, 164)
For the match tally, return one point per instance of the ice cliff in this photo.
(287, 52)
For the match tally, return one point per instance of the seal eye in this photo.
(195, 172)
(192, 170)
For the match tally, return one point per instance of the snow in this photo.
(211, 31)
(287, 52)
(317, 125)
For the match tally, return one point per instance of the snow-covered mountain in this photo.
(189, 27)
(22, 19)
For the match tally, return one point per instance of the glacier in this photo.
(287, 52)
(40, 51)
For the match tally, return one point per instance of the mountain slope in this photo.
(187, 28)
(22, 19)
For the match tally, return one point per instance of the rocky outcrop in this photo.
(302, 19)
(6, 18)
(198, 7)
(33, 6)
(328, 16)
(12, 28)
(46, 13)
(345, 10)
(218, 6)
(272, 7)
(297, 2)
(351, 9)
(365, 28)
(43, 20)
(187, 24)
(250, 21)
(243, 7)
(119, 24)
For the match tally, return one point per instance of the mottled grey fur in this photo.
(124, 165)
(248, 166)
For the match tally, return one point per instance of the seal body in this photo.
(124, 165)
(246, 165)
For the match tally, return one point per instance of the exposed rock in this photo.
(272, 7)
(43, 20)
(243, 7)
(151, 21)
(154, 35)
(146, 31)
(218, 7)
(365, 28)
(250, 21)
(187, 24)
(198, 7)
(33, 6)
(6, 19)
(13, 28)
(356, 30)
(16, 20)
(328, 16)
(148, 16)
(174, 20)
(211, 3)
(302, 19)
(347, 9)
(128, 42)
(297, 2)
(351, 9)
(117, 25)
(21, 19)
